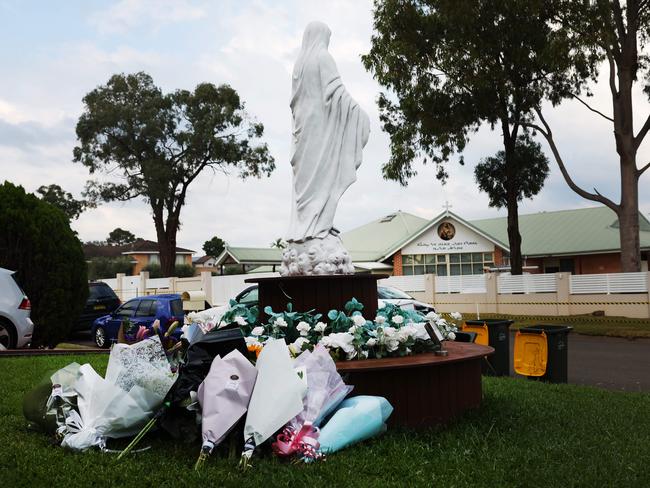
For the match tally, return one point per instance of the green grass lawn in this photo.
(582, 324)
(526, 434)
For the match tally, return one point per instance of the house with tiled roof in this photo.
(580, 241)
(142, 253)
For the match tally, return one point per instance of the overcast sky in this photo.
(53, 53)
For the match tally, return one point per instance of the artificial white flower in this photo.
(404, 333)
(240, 320)
(296, 346)
(358, 320)
(252, 341)
(338, 340)
(451, 336)
(280, 322)
(397, 319)
(421, 333)
(353, 329)
(389, 338)
(364, 354)
(433, 316)
(371, 342)
(303, 328)
(380, 319)
(456, 315)
(257, 331)
(320, 326)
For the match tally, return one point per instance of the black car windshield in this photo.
(386, 293)
(101, 291)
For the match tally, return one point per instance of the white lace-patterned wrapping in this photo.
(143, 363)
(137, 379)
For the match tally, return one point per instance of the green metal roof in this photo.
(576, 231)
(264, 255)
(376, 239)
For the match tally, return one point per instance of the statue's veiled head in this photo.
(316, 33)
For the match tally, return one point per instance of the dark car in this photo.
(387, 294)
(140, 311)
(248, 297)
(101, 300)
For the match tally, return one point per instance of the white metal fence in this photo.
(405, 283)
(461, 284)
(530, 283)
(609, 283)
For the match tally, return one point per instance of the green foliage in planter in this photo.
(37, 242)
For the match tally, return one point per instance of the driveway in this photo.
(606, 362)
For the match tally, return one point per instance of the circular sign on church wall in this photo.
(446, 231)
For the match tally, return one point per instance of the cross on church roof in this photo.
(447, 206)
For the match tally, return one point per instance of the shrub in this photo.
(36, 240)
(184, 270)
(99, 268)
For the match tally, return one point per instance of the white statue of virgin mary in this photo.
(329, 132)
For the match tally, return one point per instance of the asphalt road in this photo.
(606, 362)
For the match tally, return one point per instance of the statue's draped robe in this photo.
(329, 133)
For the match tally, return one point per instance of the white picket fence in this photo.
(405, 283)
(609, 283)
(527, 283)
(461, 284)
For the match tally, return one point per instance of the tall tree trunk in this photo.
(514, 237)
(628, 218)
(166, 243)
(626, 147)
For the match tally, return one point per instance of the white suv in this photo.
(15, 325)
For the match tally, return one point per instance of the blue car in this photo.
(140, 311)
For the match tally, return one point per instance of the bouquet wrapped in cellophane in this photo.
(137, 379)
(325, 391)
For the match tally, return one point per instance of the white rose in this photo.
(451, 336)
(456, 315)
(280, 322)
(433, 316)
(252, 341)
(397, 319)
(371, 342)
(405, 332)
(320, 327)
(364, 354)
(380, 319)
(421, 333)
(358, 320)
(297, 345)
(303, 328)
(257, 331)
(341, 340)
(389, 331)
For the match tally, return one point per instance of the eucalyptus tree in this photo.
(451, 66)
(610, 35)
(156, 144)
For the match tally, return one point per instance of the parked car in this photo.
(16, 327)
(101, 300)
(141, 311)
(385, 294)
(388, 294)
